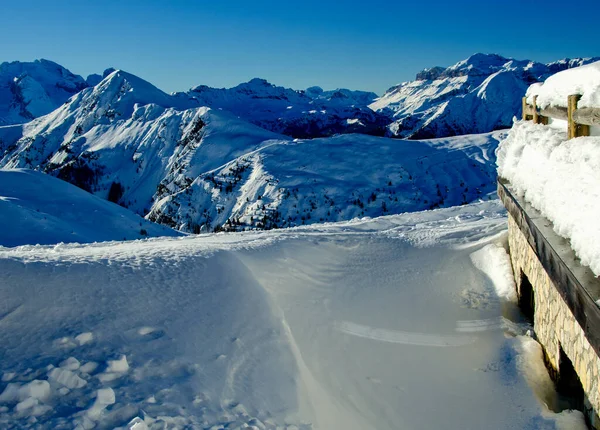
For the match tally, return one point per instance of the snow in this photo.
(349, 325)
(494, 261)
(583, 80)
(29, 90)
(561, 179)
(476, 95)
(202, 169)
(302, 114)
(66, 378)
(38, 209)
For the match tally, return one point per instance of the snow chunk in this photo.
(584, 80)
(559, 178)
(88, 367)
(8, 376)
(137, 424)
(36, 389)
(494, 261)
(119, 366)
(66, 378)
(70, 363)
(104, 398)
(115, 369)
(84, 338)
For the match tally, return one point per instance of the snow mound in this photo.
(356, 325)
(494, 261)
(560, 178)
(583, 80)
(38, 209)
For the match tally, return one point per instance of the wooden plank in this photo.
(524, 107)
(555, 112)
(536, 119)
(571, 108)
(587, 116)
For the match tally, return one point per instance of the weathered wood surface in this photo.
(578, 120)
(587, 116)
(528, 110)
(555, 112)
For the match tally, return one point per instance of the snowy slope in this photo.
(30, 90)
(369, 325)
(39, 209)
(308, 181)
(199, 168)
(300, 114)
(476, 95)
(128, 135)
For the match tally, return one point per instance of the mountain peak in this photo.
(32, 89)
(430, 74)
(260, 82)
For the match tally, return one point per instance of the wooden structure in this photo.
(579, 120)
(560, 295)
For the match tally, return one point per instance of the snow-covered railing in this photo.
(579, 120)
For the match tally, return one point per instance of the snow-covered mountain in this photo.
(30, 90)
(39, 209)
(299, 114)
(204, 169)
(476, 95)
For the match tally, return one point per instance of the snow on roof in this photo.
(560, 178)
(583, 80)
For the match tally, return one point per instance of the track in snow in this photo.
(368, 324)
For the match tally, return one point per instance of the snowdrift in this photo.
(561, 179)
(322, 327)
(38, 209)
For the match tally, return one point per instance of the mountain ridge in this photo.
(476, 95)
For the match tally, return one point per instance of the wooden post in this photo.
(536, 118)
(524, 108)
(574, 129)
(571, 107)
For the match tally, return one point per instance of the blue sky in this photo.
(368, 45)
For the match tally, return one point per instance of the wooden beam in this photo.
(556, 113)
(587, 116)
(534, 112)
(571, 108)
(524, 106)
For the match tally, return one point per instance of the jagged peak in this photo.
(314, 90)
(430, 74)
(260, 82)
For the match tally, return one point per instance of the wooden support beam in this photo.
(524, 106)
(587, 116)
(575, 129)
(556, 113)
(571, 108)
(536, 117)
